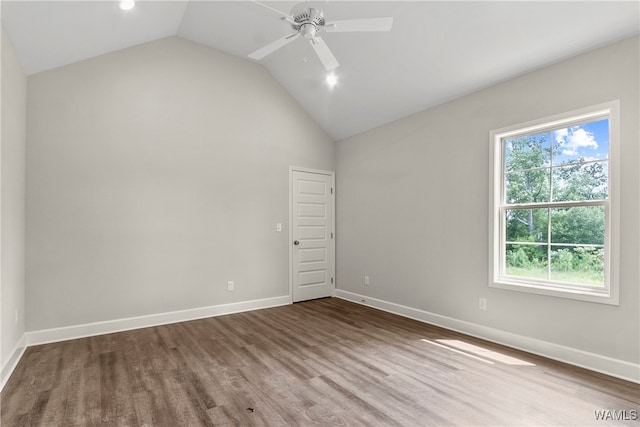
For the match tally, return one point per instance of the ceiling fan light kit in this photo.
(331, 80)
(308, 22)
(126, 4)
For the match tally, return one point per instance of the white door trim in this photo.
(332, 174)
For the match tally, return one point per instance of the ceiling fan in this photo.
(309, 22)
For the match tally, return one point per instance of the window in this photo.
(555, 205)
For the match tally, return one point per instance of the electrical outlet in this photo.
(482, 303)
(230, 285)
(366, 280)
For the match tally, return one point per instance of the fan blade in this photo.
(322, 50)
(372, 24)
(273, 46)
(285, 17)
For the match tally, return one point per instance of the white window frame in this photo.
(497, 227)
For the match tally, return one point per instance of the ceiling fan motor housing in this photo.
(308, 22)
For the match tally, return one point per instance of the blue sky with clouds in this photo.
(584, 142)
(588, 140)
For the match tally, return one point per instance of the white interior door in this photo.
(312, 234)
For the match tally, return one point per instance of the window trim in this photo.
(612, 206)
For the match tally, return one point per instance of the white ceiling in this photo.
(435, 52)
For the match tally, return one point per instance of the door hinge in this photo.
(331, 190)
(332, 235)
(332, 280)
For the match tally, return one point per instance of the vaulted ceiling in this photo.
(435, 52)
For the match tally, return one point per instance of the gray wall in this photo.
(155, 175)
(412, 206)
(12, 228)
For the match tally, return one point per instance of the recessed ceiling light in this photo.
(126, 4)
(332, 80)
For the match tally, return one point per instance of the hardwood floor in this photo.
(322, 362)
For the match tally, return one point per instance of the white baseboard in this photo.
(12, 362)
(595, 362)
(119, 325)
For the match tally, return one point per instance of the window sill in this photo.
(550, 290)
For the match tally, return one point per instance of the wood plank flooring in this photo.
(323, 362)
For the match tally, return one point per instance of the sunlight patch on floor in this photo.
(478, 353)
(458, 351)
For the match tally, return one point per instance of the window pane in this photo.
(587, 141)
(580, 225)
(526, 152)
(526, 261)
(581, 182)
(580, 265)
(527, 187)
(526, 225)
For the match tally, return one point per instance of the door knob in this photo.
(296, 242)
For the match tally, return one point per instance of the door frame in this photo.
(331, 174)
